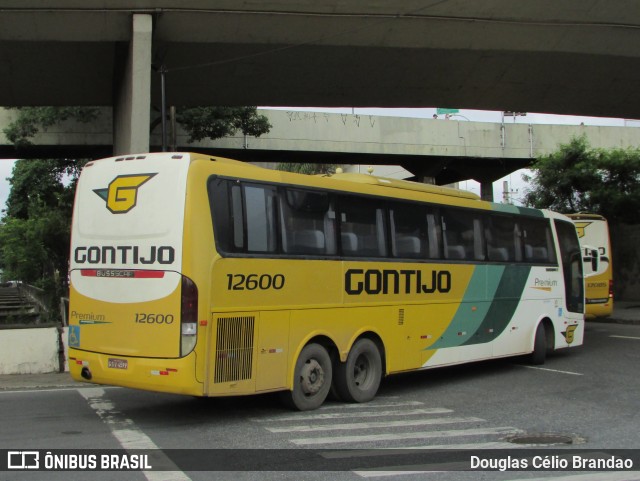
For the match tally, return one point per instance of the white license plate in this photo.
(118, 363)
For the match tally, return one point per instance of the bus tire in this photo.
(312, 379)
(539, 353)
(358, 379)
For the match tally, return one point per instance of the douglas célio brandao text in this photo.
(580, 462)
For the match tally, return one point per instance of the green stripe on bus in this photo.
(504, 304)
(512, 209)
(473, 309)
(488, 305)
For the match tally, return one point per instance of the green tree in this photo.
(305, 168)
(218, 122)
(35, 230)
(199, 122)
(577, 178)
(30, 120)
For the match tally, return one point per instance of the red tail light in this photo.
(188, 316)
(610, 288)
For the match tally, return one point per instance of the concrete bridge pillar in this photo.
(131, 116)
(486, 191)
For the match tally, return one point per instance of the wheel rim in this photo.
(311, 377)
(361, 370)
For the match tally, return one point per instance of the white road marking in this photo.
(53, 389)
(130, 437)
(365, 453)
(390, 404)
(404, 436)
(552, 370)
(380, 474)
(627, 337)
(351, 415)
(373, 425)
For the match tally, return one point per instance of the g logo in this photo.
(568, 334)
(122, 194)
(581, 226)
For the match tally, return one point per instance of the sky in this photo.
(516, 184)
(5, 171)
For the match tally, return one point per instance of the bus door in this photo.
(571, 263)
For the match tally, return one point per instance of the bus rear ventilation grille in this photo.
(234, 349)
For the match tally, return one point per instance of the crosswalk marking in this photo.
(372, 425)
(405, 436)
(390, 427)
(389, 404)
(363, 453)
(351, 415)
(130, 437)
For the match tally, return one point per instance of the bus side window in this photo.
(462, 234)
(434, 229)
(307, 222)
(362, 227)
(409, 231)
(571, 259)
(237, 217)
(259, 210)
(225, 199)
(537, 240)
(501, 243)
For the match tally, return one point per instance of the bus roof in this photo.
(405, 185)
(584, 216)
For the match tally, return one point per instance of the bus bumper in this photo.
(175, 376)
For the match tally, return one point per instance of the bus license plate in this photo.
(118, 363)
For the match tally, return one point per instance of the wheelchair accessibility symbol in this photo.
(74, 336)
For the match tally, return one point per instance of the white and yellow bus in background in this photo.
(205, 276)
(593, 234)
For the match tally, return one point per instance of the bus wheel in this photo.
(312, 379)
(358, 379)
(539, 353)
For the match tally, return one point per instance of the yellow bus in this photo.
(593, 234)
(206, 276)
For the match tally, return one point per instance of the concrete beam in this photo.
(446, 150)
(571, 57)
(133, 94)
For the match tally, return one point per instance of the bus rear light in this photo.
(188, 316)
(610, 288)
(189, 329)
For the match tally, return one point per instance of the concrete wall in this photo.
(31, 351)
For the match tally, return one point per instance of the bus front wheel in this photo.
(312, 379)
(539, 353)
(358, 379)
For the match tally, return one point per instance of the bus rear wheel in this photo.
(358, 379)
(312, 379)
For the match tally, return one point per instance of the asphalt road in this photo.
(585, 398)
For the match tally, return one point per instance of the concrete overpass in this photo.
(571, 57)
(446, 150)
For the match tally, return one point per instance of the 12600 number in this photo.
(252, 282)
(144, 318)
